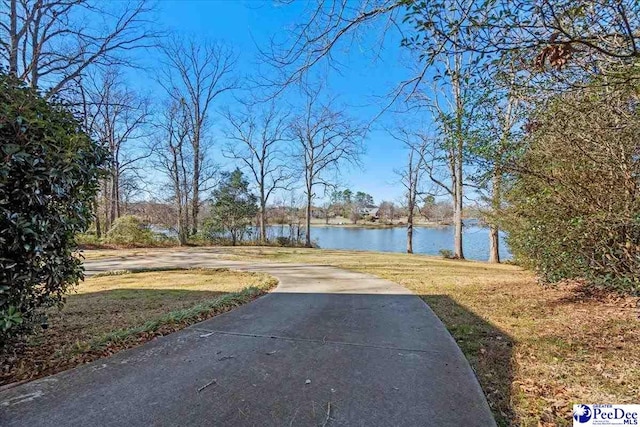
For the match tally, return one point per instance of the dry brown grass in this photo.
(536, 351)
(109, 313)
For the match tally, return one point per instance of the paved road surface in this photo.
(328, 347)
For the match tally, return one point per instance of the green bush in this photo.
(129, 230)
(87, 239)
(574, 204)
(48, 180)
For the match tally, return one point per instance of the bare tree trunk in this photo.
(116, 193)
(13, 29)
(182, 217)
(255, 140)
(307, 235)
(112, 199)
(410, 178)
(97, 209)
(195, 212)
(262, 215)
(458, 158)
(37, 48)
(187, 216)
(195, 201)
(410, 233)
(107, 205)
(457, 216)
(263, 223)
(182, 235)
(494, 242)
(494, 234)
(412, 186)
(496, 196)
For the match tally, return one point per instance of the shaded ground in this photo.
(327, 347)
(108, 313)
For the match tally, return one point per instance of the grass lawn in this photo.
(536, 350)
(110, 312)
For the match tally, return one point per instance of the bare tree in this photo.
(52, 43)
(440, 212)
(411, 177)
(326, 210)
(447, 153)
(453, 131)
(326, 25)
(257, 140)
(387, 211)
(332, 23)
(173, 158)
(453, 101)
(197, 73)
(592, 37)
(118, 118)
(325, 139)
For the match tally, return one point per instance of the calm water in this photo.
(425, 240)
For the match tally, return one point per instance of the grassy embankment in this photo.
(108, 313)
(536, 350)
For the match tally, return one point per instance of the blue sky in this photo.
(361, 83)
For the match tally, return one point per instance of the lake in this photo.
(426, 240)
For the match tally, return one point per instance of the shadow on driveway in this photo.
(488, 349)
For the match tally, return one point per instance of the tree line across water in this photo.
(532, 108)
(232, 217)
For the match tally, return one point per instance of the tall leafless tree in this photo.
(173, 157)
(412, 176)
(52, 43)
(453, 102)
(325, 139)
(454, 133)
(118, 118)
(257, 138)
(196, 73)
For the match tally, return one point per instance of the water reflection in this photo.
(426, 240)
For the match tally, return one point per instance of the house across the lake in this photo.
(369, 210)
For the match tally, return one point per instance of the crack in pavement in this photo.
(311, 340)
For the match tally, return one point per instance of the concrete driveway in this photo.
(328, 347)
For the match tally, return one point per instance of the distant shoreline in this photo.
(319, 223)
(374, 225)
